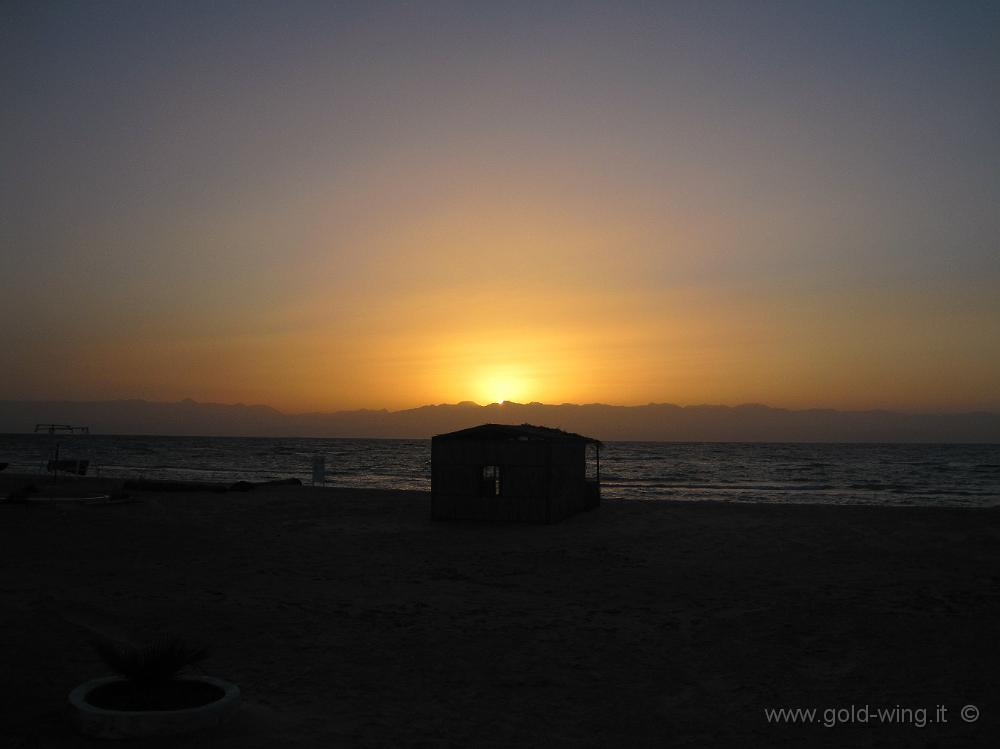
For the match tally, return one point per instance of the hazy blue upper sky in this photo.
(319, 205)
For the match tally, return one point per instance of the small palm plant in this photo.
(152, 689)
(152, 672)
(151, 665)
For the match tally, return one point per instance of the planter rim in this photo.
(78, 697)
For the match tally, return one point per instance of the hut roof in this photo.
(503, 432)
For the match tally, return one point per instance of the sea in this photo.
(871, 474)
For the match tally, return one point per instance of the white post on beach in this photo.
(319, 470)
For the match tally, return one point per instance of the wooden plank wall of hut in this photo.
(566, 479)
(571, 491)
(457, 476)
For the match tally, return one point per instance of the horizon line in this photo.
(992, 411)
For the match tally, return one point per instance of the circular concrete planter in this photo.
(103, 723)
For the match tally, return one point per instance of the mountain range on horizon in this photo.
(650, 422)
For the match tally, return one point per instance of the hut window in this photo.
(491, 484)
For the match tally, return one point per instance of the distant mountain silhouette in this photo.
(655, 421)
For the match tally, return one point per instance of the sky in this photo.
(318, 205)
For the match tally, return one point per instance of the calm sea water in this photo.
(954, 475)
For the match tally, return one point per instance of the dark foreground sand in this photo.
(348, 618)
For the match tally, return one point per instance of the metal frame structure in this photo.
(51, 462)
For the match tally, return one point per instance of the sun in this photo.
(501, 386)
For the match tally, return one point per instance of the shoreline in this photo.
(156, 488)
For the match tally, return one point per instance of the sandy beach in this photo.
(349, 618)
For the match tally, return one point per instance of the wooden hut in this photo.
(513, 473)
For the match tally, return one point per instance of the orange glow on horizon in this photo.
(622, 349)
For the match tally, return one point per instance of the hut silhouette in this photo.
(513, 473)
